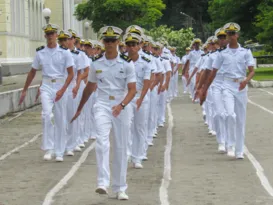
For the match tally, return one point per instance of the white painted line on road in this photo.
(49, 197)
(260, 172)
(18, 115)
(16, 149)
(266, 91)
(163, 190)
(259, 169)
(261, 107)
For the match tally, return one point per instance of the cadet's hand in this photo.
(159, 89)
(75, 91)
(163, 88)
(116, 110)
(22, 98)
(242, 85)
(59, 95)
(37, 95)
(75, 116)
(139, 102)
(188, 82)
(202, 97)
(197, 94)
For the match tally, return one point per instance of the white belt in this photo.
(235, 80)
(52, 80)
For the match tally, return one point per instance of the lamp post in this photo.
(191, 19)
(86, 26)
(46, 14)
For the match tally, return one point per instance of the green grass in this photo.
(263, 74)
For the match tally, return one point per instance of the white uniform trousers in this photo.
(93, 133)
(72, 128)
(219, 110)
(169, 93)
(104, 122)
(184, 83)
(209, 103)
(192, 86)
(152, 118)
(175, 90)
(235, 105)
(129, 109)
(82, 120)
(54, 136)
(138, 129)
(161, 108)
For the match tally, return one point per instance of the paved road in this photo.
(199, 175)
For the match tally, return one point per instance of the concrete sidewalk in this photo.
(18, 81)
(10, 92)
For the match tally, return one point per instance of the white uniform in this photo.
(184, 80)
(233, 63)
(193, 57)
(112, 78)
(163, 95)
(176, 76)
(54, 63)
(72, 128)
(84, 118)
(218, 113)
(140, 117)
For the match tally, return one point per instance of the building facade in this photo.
(21, 23)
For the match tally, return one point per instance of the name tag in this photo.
(98, 71)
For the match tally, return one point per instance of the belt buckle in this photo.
(112, 97)
(53, 80)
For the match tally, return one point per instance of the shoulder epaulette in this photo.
(221, 49)
(126, 58)
(146, 59)
(246, 47)
(63, 48)
(204, 54)
(147, 52)
(75, 52)
(155, 56)
(40, 48)
(97, 57)
(165, 58)
(78, 49)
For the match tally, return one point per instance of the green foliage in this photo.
(242, 12)
(178, 38)
(120, 13)
(265, 24)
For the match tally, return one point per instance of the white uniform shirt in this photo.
(200, 62)
(234, 65)
(204, 62)
(143, 72)
(193, 57)
(85, 60)
(159, 66)
(152, 64)
(54, 62)
(210, 60)
(112, 76)
(184, 59)
(78, 63)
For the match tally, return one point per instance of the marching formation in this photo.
(92, 88)
(217, 77)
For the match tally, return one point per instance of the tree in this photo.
(264, 24)
(120, 13)
(178, 38)
(197, 9)
(242, 12)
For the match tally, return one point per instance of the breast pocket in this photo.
(59, 59)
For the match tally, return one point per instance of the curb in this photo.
(9, 100)
(260, 84)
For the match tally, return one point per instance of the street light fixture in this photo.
(86, 26)
(46, 14)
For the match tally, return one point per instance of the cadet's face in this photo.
(51, 37)
(110, 44)
(70, 42)
(63, 42)
(222, 40)
(196, 46)
(232, 36)
(187, 52)
(132, 47)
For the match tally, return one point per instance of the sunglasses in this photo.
(110, 40)
(231, 33)
(131, 44)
